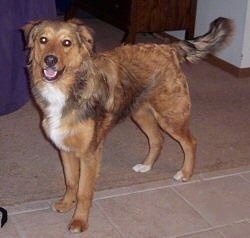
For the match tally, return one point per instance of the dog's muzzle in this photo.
(50, 72)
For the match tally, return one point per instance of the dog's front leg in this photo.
(71, 165)
(89, 171)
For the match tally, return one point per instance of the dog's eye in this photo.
(67, 43)
(43, 40)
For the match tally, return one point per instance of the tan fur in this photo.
(83, 95)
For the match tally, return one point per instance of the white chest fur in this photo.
(56, 102)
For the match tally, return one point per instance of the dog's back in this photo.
(218, 36)
(145, 61)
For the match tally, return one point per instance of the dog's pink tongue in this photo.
(50, 73)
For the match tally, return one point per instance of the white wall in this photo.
(246, 42)
(238, 52)
(207, 10)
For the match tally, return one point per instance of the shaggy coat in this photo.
(83, 95)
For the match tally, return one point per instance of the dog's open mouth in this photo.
(51, 74)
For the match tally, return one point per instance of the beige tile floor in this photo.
(212, 205)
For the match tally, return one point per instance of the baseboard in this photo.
(232, 69)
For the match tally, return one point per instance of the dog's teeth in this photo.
(141, 168)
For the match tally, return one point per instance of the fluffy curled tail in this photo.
(219, 34)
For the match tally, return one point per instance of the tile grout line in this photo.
(144, 190)
(109, 219)
(48, 202)
(28, 211)
(191, 206)
(224, 176)
(213, 228)
(171, 186)
(130, 193)
(198, 231)
(245, 179)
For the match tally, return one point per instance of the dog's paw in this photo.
(141, 168)
(179, 176)
(62, 206)
(78, 225)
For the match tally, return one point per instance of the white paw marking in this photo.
(53, 208)
(180, 177)
(141, 168)
(74, 230)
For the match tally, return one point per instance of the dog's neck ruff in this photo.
(53, 112)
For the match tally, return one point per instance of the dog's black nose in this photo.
(50, 60)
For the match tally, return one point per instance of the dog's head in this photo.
(57, 48)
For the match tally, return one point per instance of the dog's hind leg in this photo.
(146, 121)
(177, 127)
(188, 143)
(71, 165)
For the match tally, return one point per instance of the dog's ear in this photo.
(30, 30)
(85, 34)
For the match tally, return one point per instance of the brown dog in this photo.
(83, 95)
